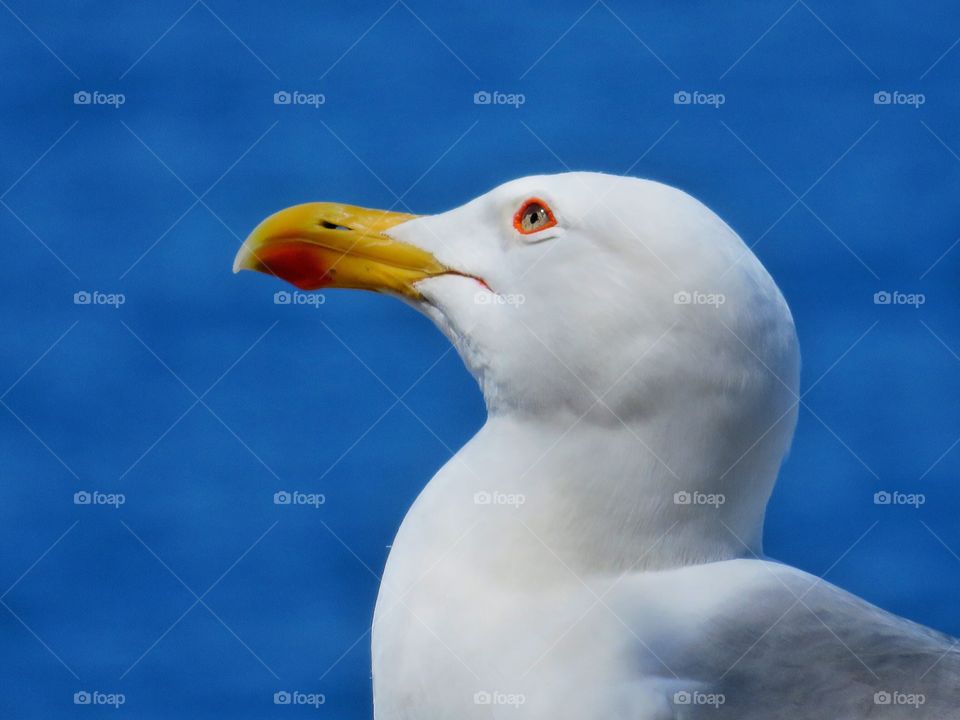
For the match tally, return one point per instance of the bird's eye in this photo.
(532, 216)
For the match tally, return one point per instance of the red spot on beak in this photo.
(298, 263)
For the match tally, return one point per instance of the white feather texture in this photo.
(594, 551)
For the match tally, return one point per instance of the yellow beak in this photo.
(329, 245)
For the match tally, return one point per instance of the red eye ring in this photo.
(529, 228)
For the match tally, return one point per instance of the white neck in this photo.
(536, 500)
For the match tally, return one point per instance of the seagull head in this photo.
(584, 298)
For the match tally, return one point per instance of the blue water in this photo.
(199, 597)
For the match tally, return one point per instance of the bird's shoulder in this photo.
(771, 639)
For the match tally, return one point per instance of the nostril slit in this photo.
(332, 226)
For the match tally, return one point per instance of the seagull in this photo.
(595, 550)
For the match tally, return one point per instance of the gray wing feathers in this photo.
(789, 645)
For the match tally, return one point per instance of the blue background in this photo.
(103, 198)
